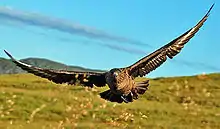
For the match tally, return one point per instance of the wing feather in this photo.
(63, 76)
(158, 57)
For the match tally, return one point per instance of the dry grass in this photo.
(27, 101)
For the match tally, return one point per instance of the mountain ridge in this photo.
(8, 67)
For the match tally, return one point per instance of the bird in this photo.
(121, 83)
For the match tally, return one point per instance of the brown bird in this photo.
(121, 82)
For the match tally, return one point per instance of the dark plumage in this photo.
(121, 82)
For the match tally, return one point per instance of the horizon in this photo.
(121, 38)
(105, 70)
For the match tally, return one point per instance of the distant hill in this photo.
(8, 67)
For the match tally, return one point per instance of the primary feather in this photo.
(63, 76)
(158, 57)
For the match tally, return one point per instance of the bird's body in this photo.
(125, 83)
(122, 84)
(122, 87)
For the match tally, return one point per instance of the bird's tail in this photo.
(108, 95)
(140, 88)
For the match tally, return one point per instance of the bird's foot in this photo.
(125, 99)
(128, 98)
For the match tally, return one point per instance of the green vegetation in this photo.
(27, 101)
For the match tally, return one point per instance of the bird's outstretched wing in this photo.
(63, 76)
(158, 57)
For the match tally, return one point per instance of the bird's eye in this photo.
(115, 74)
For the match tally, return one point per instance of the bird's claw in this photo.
(125, 100)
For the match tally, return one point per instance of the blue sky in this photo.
(106, 34)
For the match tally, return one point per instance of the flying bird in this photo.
(122, 87)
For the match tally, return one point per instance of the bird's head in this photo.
(115, 72)
(112, 75)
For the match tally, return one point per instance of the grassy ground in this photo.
(27, 101)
